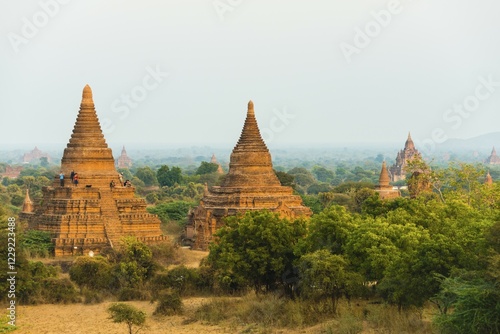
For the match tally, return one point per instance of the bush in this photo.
(93, 273)
(169, 303)
(215, 311)
(126, 294)
(164, 253)
(59, 290)
(177, 211)
(476, 307)
(30, 281)
(181, 279)
(37, 243)
(92, 296)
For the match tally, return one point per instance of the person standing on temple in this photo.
(61, 179)
(72, 176)
(75, 179)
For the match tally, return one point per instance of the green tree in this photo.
(177, 211)
(325, 276)
(146, 175)
(302, 176)
(169, 177)
(37, 243)
(318, 188)
(475, 304)
(207, 168)
(285, 179)
(130, 315)
(322, 174)
(94, 273)
(255, 250)
(350, 186)
(328, 230)
(135, 263)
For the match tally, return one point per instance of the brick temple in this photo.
(123, 160)
(250, 184)
(91, 215)
(493, 159)
(409, 152)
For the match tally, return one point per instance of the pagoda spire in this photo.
(409, 142)
(27, 204)
(250, 161)
(250, 135)
(384, 179)
(493, 151)
(87, 152)
(489, 179)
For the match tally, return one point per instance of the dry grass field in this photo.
(94, 318)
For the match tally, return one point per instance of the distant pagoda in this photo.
(489, 179)
(493, 159)
(92, 215)
(35, 155)
(28, 203)
(250, 184)
(214, 161)
(408, 153)
(383, 187)
(123, 160)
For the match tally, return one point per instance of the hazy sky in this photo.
(181, 72)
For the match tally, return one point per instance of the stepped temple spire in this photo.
(383, 181)
(250, 184)
(409, 145)
(87, 150)
(123, 160)
(489, 179)
(250, 161)
(383, 187)
(27, 204)
(409, 152)
(493, 159)
(214, 161)
(95, 212)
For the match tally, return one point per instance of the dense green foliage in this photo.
(438, 246)
(207, 168)
(37, 243)
(172, 211)
(255, 250)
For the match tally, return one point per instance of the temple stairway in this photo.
(112, 225)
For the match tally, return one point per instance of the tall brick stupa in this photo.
(98, 211)
(250, 184)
